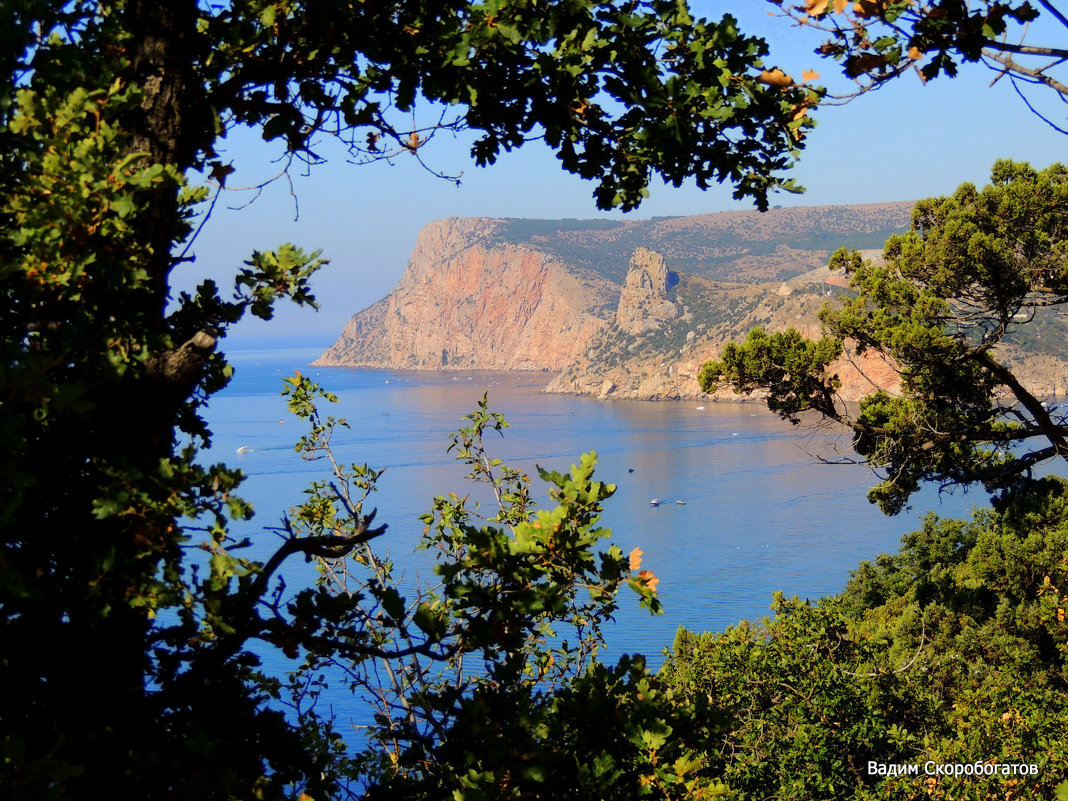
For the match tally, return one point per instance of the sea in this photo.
(748, 504)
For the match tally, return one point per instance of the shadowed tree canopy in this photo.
(972, 273)
(126, 672)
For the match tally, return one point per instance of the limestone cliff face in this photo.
(467, 301)
(643, 301)
(663, 361)
(475, 296)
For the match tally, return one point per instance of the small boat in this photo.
(654, 502)
(244, 449)
(700, 408)
(681, 503)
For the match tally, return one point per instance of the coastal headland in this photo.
(633, 309)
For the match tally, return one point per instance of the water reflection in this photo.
(761, 514)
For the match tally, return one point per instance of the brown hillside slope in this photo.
(500, 295)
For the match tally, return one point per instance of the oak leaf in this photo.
(649, 579)
(775, 77)
(868, 8)
(219, 171)
(636, 558)
(810, 75)
(815, 8)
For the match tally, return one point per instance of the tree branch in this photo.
(1035, 111)
(1054, 11)
(1052, 432)
(325, 547)
(1026, 50)
(176, 372)
(1028, 73)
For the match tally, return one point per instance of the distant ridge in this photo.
(725, 246)
(626, 308)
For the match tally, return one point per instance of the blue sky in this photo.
(903, 142)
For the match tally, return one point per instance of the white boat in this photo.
(654, 502)
(244, 449)
(681, 503)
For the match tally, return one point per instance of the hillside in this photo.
(663, 361)
(634, 309)
(469, 302)
(742, 246)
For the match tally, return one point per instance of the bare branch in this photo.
(1035, 111)
(1054, 433)
(1026, 50)
(1054, 11)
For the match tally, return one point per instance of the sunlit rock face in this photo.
(634, 309)
(467, 301)
(643, 302)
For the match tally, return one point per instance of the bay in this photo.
(762, 513)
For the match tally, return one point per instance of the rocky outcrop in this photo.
(676, 377)
(643, 302)
(1044, 375)
(467, 301)
(474, 296)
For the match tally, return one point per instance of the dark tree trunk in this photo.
(98, 654)
(174, 127)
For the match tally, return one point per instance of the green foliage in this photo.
(793, 368)
(278, 274)
(807, 706)
(953, 650)
(610, 733)
(877, 40)
(485, 682)
(618, 91)
(126, 607)
(974, 269)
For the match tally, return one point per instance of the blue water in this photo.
(762, 513)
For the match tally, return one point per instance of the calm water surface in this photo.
(761, 513)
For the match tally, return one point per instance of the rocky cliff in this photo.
(662, 361)
(643, 301)
(468, 301)
(533, 294)
(560, 296)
